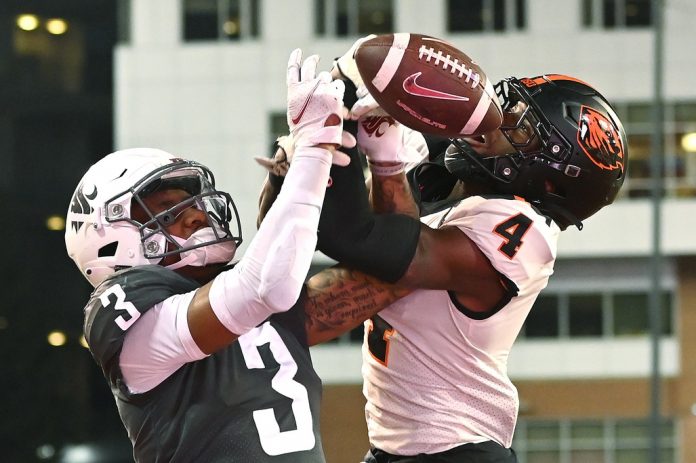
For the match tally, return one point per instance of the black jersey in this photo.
(255, 401)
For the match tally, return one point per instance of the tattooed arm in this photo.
(339, 299)
(392, 194)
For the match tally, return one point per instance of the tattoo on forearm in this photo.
(339, 299)
(392, 194)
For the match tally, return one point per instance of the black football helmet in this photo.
(574, 159)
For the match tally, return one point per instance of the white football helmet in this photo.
(101, 237)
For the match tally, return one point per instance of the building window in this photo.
(221, 19)
(612, 14)
(679, 148)
(278, 124)
(616, 440)
(486, 15)
(605, 314)
(353, 17)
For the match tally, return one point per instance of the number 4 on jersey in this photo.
(512, 230)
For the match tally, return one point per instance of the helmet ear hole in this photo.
(108, 250)
(553, 188)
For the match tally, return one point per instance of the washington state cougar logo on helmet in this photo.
(80, 207)
(600, 139)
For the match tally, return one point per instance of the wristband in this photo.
(385, 171)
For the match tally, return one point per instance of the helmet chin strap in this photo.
(557, 211)
(217, 253)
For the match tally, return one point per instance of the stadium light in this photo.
(27, 22)
(688, 142)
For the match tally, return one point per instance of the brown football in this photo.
(428, 85)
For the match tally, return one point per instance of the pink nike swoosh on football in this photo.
(296, 119)
(411, 86)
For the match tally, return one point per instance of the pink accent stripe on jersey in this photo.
(391, 62)
(480, 111)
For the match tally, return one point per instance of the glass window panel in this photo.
(498, 15)
(667, 431)
(123, 21)
(640, 148)
(232, 25)
(632, 456)
(464, 16)
(319, 17)
(585, 314)
(630, 314)
(587, 430)
(587, 456)
(685, 112)
(609, 11)
(543, 456)
(200, 20)
(637, 112)
(375, 17)
(638, 13)
(628, 432)
(521, 14)
(639, 167)
(254, 21)
(542, 321)
(542, 432)
(667, 314)
(587, 13)
(342, 18)
(279, 126)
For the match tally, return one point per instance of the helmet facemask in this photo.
(157, 242)
(548, 164)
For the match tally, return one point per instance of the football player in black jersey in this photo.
(210, 363)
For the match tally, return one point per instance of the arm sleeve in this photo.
(270, 276)
(379, 245)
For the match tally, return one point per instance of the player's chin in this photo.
(489, 144)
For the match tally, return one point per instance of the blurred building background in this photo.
(206, 79)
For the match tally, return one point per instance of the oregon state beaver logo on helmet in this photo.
(600, 139)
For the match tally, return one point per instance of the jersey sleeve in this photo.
(294, 319)
(519, 242)
(118, 304)
(158, 345)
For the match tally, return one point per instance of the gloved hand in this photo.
(279, 164)
(315, 105)
(345, 65)
(382, 139)
(348, 69)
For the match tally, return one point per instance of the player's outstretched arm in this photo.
(271, 274)
(393, 244)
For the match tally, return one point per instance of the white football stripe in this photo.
(391, 62)
(480, 111)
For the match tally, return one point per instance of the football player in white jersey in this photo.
(209, 362)
(491, 207)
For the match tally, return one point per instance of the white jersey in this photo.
(435, 377)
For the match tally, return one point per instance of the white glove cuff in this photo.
(331, 134)
(385, 171)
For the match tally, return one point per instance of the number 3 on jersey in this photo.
(512, 230)
(273, 440)
(120, 304)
